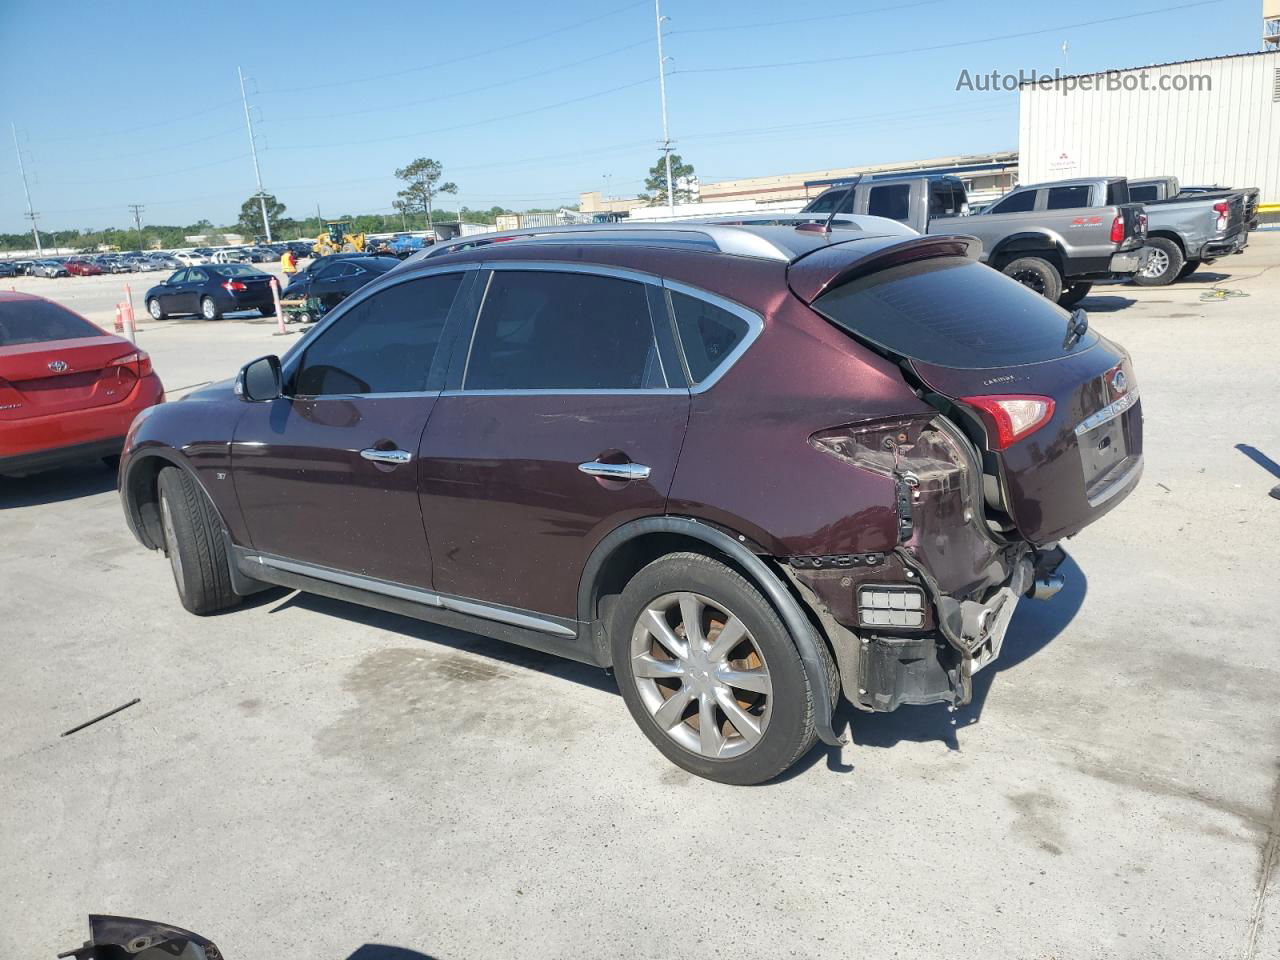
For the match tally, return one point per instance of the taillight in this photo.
(233, 286)
(140, 361)
(1117, 229)
(1010, 418)
(1223, 210)
(875, 445)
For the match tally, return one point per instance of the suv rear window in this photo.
(953, 312)
(38, 321)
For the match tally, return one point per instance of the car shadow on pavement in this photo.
(589, 676)
(382, 951)
(1106, 303)
(1035, 624)
(55, 486)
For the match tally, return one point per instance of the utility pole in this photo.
(137, 209)
(253, 148)
(31, 214)
(662, 92)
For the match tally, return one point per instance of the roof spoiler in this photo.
(826, 268)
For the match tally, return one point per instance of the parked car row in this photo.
(138, 261)
(1059, 238)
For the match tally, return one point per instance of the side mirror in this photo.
(259, 380)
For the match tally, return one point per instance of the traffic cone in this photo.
(119, 320)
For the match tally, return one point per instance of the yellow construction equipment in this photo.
(338, 238)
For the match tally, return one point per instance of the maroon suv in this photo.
(747, 467)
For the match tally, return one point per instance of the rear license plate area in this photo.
(1102, 450)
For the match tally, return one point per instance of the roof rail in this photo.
(762, 236)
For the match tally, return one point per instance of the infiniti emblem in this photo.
(1118, 382)
(57, 366)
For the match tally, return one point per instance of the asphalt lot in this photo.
(303, 777)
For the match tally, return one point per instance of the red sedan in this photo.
(83, 268)
(68, 391)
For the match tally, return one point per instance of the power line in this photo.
(486, 52)
(469, 125)
(82, 137)
(798, 20)
(946, 46)
(462, 93)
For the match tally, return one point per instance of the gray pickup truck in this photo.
(1056, 238)
(1188, 228)
(1151, 189)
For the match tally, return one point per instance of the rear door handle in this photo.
(386, 456)
(615, 471)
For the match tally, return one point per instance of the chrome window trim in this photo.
(755, 326)
(463, 605)
(293, 356)
(558, 266)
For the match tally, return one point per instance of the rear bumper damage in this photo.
(890, 651)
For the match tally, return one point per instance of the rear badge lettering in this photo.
(57, 366)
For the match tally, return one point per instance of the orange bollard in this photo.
(275, 297)
(130, 324)
(119, 320)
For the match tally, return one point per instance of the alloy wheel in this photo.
(209, 309)
(1157, 264)
(1031, 279)
(701, 675)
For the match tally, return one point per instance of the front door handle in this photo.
(615, 471)
(386, 456)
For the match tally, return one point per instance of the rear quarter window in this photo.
(708, 334)
(953, 312)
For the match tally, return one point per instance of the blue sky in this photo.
(526, 104)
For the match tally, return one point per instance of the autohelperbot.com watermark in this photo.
(1110, 81)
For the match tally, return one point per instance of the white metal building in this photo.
(1211, 121)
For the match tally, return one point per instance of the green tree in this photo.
(656, 182)
(250, 223)
(422, 184)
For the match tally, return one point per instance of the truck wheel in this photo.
(1036, 274)
(1074, 294)
(194, 544)
(710, 673)
(1188, 268)
(1163, 266)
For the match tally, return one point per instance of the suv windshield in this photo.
(38, 321)
(953, 312)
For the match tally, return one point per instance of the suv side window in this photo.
(892, 201)
(383, 344)
(543, 330)
(1020, 202)
(1068, 198)
(707, 333)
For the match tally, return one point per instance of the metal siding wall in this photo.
(1230, 135)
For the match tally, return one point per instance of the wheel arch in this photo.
(629, 547)
(1027, 244)
(1170, 235)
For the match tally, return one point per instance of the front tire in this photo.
(209, 309)
(1036, 274)
(194, 544)
(710, 673)
(1163, 266)
(156, 311)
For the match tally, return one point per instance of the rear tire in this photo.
(209, 309)
(194, 544)
(1164, 265)
(767, 725)
(1036, 274)
(1188, 268)
(1074, 294)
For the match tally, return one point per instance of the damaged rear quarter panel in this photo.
(747, 463)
